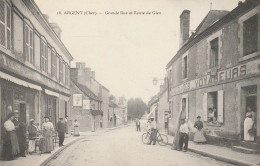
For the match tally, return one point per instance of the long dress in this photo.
(76, 129)
(199, 136)
(10, 146)
(47, 129)
(248, 124)
(32, 136)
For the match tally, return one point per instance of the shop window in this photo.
(214, 53)
(29, 44)
(185, 67)
(213, 107)
(250, 35)
(5, 24)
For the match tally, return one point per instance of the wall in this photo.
(198, 67)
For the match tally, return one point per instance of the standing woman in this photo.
(198, 136)
(11, 146)
(76, 128)
(32, 130)
(47, 131)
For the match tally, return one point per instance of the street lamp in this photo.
(155, 80)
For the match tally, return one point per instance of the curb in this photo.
(58, 151)
(217, 157)
(221, 158)
(69, 144)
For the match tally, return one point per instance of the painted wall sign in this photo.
(221, 76)
(77, 100)
(86, 104)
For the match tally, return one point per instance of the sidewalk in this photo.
(36, 159)
(220, 153)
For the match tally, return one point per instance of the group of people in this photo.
(184, 130)
(15, 141)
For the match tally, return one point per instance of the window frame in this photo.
(7, 29)
(241, 20)
(44, 56)
(185, 68)
(29, 44)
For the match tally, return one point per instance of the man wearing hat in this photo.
(20, 132)
(153, 132)
(61, 129)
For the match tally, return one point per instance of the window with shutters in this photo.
(5, 25)
(213, 107)
(44, 57)
(29, 54)
(60, 71)
(250, 35)
(66, 75)
(54, 64)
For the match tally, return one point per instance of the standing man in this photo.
(153, 132)
(184, 135)
(61, 129)
(66, 124)
(138, 124)
(20, 133)
(101, 123)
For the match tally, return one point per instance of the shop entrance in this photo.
(22, 111)
(249, 102)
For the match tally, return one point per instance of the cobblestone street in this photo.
(123, 147)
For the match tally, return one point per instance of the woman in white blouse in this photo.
(11, 146)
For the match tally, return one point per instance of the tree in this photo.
(136, 108)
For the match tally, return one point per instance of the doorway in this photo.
(22, 111)
(249, 99)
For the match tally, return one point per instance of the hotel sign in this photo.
(220, 77)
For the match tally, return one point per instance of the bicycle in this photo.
(162, 139)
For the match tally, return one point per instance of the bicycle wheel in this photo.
(162, 139)
(145, 138)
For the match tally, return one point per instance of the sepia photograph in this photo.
(129, 82)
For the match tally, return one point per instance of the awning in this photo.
(19, 81)
(152, 113)
(51, 93)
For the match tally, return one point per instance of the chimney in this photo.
(46, 17)
(184, 27)
(80, 65)
(56, 29)
(93, 74)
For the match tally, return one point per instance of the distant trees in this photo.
(136, 108)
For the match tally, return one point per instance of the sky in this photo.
(126, 50)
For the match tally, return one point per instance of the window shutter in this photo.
(220, 106)
(205, 106)
(2, 23)
(187, 107)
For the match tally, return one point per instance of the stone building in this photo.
(218, 67)
(85, 107)
(34, 64)
(84, 76)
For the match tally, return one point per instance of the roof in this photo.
(86, 91)
(210, 19)
(206, 29)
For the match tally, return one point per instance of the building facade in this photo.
(86, 77)
(218, 68)
(34, 64)
(85, 107)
